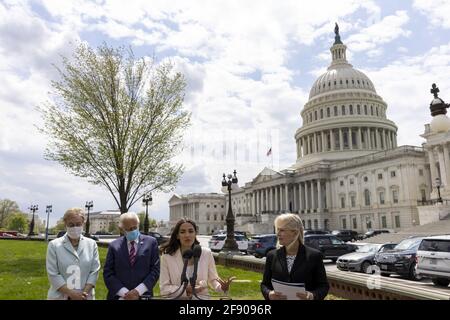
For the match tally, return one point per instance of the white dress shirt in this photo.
(141, 288)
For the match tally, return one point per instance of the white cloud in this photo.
(405, 85)
(437, 11)
(388, 29)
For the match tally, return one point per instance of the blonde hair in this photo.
(75, 212)
(290, 221)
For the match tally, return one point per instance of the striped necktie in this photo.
(132, 254)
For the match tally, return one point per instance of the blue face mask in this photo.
(132, 235)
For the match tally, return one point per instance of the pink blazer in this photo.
(172, 267)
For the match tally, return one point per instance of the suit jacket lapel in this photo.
(68, 245)
(124, 250)
(81, 245)
(282, 258)
(299, 259)
(179, 262)
(140, 247)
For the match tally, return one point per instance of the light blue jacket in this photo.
(74, 268)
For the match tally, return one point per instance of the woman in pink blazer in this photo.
(183, 238)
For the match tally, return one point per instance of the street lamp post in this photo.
(48, 210)
(230, 182)
(88, 206)
(438, 186)
(147, 200)
(33, 209)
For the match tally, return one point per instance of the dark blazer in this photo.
(118, 273)
(308, 268)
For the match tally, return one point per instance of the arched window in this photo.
(367, 197)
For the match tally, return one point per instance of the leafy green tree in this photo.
(152, 222)
(18, 222)
(7, 208)
(117, 121)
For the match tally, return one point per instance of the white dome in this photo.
(440, 123)
(341, 77)
(436, 101)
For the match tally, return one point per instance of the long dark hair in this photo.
(174, 244)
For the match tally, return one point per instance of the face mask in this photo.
(74, 232)
(132, 235)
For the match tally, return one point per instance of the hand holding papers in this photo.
(288, 289)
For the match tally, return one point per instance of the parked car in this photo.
(260, 245)
(362, 258)
(330, 246)
(159, 237)
(345, 235)
(400, 260)
(309, 231)
(218, 241)
(433, 259)
(372, 233)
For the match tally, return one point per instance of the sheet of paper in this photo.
(288, 289)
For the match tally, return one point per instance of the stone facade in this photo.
(206, 209)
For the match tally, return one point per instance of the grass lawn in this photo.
(23, 275)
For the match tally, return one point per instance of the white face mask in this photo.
(74, 232)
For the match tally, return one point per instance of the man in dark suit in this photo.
(294, 262)
(132, 263)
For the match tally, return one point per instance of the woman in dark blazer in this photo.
(294, 262)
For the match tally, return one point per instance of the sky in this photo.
(249, 67)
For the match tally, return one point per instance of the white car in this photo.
(433, 259)
(218, 241)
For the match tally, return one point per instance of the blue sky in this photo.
(249, 67)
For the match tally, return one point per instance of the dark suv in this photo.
(309, 231)
(261, 244)
(330, 246)
(400, 260)
(345, 235)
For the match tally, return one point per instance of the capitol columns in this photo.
(319, 196)
(333, 142)
(432, 165)
(443, 169)
(447, 160)
(359, 139)
(324, 147)
(286, 188)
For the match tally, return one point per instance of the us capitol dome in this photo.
(344, 117)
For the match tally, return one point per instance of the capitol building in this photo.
(349, 172)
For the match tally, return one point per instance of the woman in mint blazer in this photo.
(72, 261)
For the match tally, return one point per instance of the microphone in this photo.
(186, 256)
(197, 252)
